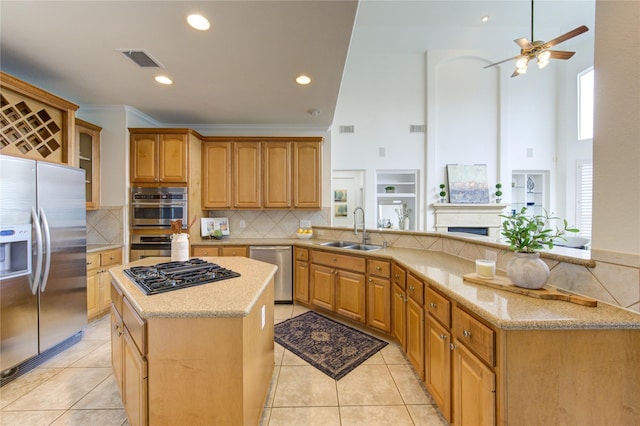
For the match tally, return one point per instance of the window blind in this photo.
(584, 197)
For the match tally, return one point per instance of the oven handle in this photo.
(157, 203)
(151, 246)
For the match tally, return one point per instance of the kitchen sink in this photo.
(341, 244)
(350, 245)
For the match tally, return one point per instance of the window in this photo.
(585, 104)
(584, 193)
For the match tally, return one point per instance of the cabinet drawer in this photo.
(116, 298)
(399, 276)
(415, 289)
(204, 251)
(438, 306)
(93, 260)
(234, 251)
(136, 326)
(355, 264)
(301, 254)
(111, 257)
(378, 268)
(475, 335)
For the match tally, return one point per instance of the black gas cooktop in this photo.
(169, 276)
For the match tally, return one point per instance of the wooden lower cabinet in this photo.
(474, 386)
(337, 284)
(379, 304)
(438, 365)
(415, 336)
(99, 280)
(135, 382)
(399, 316)
(208, 251)
(301, 274)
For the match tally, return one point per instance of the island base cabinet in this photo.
(211, 371)
(135, 383)
(474, 387)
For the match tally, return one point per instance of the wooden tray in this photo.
(504, 283)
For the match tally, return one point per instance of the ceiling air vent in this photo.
(416, 128)
(141, 58)
(347, 129)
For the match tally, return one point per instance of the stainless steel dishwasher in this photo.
(282, 258)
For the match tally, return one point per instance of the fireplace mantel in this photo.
(469, 216)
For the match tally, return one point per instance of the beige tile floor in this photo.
(77, 388)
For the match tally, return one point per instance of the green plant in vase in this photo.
(498, 192)
(443, 194)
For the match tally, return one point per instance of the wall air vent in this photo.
(141, 58)
(347, 129)
(416, 128)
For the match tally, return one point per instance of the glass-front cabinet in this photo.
(88, 142)
(397, 199)
(530, 189)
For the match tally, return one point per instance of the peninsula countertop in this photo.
(233, 297)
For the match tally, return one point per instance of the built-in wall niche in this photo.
(530, 189)
(397, 195)
(347, 194)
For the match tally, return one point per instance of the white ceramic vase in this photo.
(527, 270)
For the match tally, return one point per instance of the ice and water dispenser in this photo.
(15, 250)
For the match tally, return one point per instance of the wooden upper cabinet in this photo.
(88, 142)
(246, 175)
(159, 157)
(307, 175)
(216, 182)
(276, 175)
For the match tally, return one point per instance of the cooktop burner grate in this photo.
(169, 276)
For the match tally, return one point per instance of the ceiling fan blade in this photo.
(502, 61)
(515, 73)
(561, 54)
(567, 36)
(523, 43)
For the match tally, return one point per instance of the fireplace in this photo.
(477, 219)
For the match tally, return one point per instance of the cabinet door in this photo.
(144, 158)
(276, 175)
(321, 284)
(204, 251)
(104, 293)
(351, 295)
(216, 175)
(93, 293)
(173, 158)
(301, 281)
(438, 365)
(117, 349)
(135, 383)
(415, 336)
(88, 143)
(246, 175)
(473, 389)
(307, 175)
(379, 304)
(399, 316)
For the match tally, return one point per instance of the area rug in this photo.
(331, 347)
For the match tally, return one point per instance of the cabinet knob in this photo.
(412, 288)
(112, 258)
(378, 268)
(433, 305)
(396, 275)
(452, 346)
(466, 333)
(370, 280)
(443, 337)
(334, 259)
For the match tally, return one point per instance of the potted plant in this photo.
(443, 194)
(498, 192)
(390, 189)
(526, 234)
(403, 216)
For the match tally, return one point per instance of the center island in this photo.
(201, 355)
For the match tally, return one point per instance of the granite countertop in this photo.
(233, 297)
(92, 248)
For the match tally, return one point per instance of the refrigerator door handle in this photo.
(35, 278)
(47, 241)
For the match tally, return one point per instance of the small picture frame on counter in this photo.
(210, 224)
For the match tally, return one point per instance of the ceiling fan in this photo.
(539, 50)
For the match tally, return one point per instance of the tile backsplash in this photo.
(105, 225)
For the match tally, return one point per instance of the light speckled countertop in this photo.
(233, 297)
(92, 248)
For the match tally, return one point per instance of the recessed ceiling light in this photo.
(163, 79)
(303, 79)
(485, 18)
(198, 22)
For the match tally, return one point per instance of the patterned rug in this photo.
(331, 347)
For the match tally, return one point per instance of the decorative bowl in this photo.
(304, 236)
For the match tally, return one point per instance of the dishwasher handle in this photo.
(270, 248)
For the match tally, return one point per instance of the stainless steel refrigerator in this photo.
(43, 284)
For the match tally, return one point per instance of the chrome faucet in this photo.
(355, 225)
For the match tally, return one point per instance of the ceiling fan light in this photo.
(544, 56)
(522, 62)
(542, 64)
(521, 70)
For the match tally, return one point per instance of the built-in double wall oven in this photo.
(152, 211)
